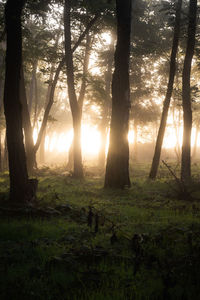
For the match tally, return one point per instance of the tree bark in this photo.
(75, 109)
(21, 189)
(117, 167)
(186, 97)
(161, 131)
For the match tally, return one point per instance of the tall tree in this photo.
(186, 95)
(32, 149)
(21, 189)
(172, 70)
(117, 167)
(74, 105)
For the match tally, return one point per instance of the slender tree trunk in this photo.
(85, 71)
(32, 86)
(42, 148)
(105, 114)
(75, 109)
(161, 132)
(177, 126)
(36, 103)
(117, 167)
(186, 97)
(21, 189)
(81, 94)
(61, 64)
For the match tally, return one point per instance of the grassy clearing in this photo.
(147, 245)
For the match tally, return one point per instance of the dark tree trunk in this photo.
(186, 97)
(20, 186)
(106, 108)
(161, 131)
(75, 109)
(117, 167)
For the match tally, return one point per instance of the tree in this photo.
(75, 104)
(160, 137)
(104, 125)
(21, 188)
(186, 95)
(75, 109)
(32, 149)
(117, 167)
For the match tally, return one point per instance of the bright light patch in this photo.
(90, 140)
(107, 37)
(131, 137)
(35, 135)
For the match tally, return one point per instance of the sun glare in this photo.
(91, 140)
(62, 142)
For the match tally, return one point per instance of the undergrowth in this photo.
(84, 242)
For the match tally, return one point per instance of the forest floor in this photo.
(84, 242)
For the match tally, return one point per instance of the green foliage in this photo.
(146, 245)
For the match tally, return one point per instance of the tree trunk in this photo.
(70, 158)
(117, 167)
(85, 71)
(32, 86)
(42, 148)
(106, 107)
(186, 97)
(161, 132)
(75, 109)
(36, 104)
(21, 189)
(81, 94)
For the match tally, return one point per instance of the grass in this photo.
(147, 245)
